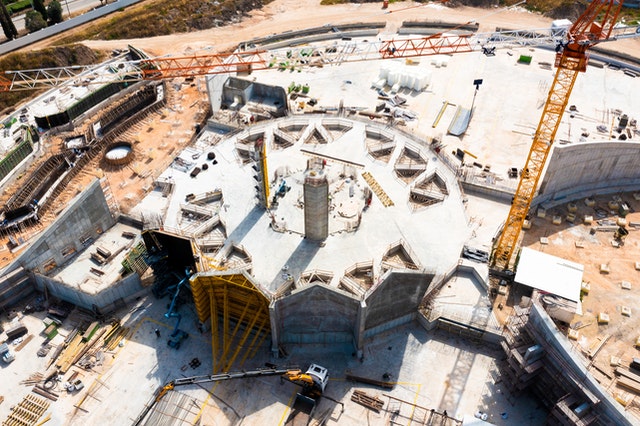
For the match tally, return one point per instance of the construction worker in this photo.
(157, 333)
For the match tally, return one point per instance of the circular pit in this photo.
(119, 153)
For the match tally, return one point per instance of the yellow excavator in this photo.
(313, 382)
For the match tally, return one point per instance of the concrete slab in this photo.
(464, 381)
(348, 242)
(432, 370)
(92, 276)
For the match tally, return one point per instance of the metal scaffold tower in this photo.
(239, 314)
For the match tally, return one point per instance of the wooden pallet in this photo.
(377, 189)
(371, 402)
(27, 412)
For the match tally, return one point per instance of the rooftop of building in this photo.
(99, 265)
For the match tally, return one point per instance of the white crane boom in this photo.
(333, 53)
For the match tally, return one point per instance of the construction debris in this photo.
(43, 392)
(33, 379)
(628, 374)
(371, 402)
(629, 384)
(475, 254)
(386, 385)
(24, 342)
(593, 351)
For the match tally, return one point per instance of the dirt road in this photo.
(283, 15)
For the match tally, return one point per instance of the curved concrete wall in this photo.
(86, 216)
(87, 213)
(584, 169)
(398, 295)
(609, 411)
(317, 314)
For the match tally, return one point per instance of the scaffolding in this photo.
(533, 363)
(239, 314)
(407, 413)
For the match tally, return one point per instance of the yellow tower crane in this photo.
(593, 26)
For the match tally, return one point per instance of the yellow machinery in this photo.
(262, 174)
(224, 298)
(313, 382)
(593, 26)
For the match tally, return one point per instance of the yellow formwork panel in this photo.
(238, 311)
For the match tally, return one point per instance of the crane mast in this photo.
(593, 26)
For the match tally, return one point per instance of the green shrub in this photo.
(34, 21)
(19, 6)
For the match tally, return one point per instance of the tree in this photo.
(33, 21)
(54, 11)
(38, 6)
(8, 28)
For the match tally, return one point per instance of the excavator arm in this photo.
(287, 372)
(594, 25)
(299, 378)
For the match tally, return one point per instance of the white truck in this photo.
(7, 354)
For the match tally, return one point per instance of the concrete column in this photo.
(273, 319)
(316, 204)
(361, 320)
(214, 90)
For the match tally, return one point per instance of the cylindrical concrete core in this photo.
(316, 205)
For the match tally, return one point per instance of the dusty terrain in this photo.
(284, 15)
(575, 242)
(155, 141)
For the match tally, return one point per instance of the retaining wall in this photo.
(87, 216)
(398, 295)
(584, 169)
(116, 295)
(327, 315)
(317, 314)
(556, 340)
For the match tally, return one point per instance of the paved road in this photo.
(89, 13)
(69, 7)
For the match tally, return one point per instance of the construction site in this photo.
(430, 224)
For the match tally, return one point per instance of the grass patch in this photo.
(19, 6)
(47, 58)
(158, 18)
